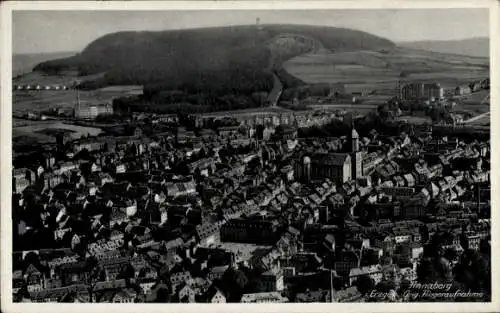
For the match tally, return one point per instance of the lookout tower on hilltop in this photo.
(257, 23)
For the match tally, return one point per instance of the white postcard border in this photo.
(6, 143)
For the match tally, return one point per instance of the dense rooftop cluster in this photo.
(229, 215)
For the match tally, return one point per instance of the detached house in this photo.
(374, 272)
(34, 278)
(215, 295)
(186, 294)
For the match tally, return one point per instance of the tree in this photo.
(31, 258)
(233, 282)
(474, 271)
(404, 286)
(370, 258)
(385, 286)
(92, 274)
(127, 273)
(164, 273)
(84, 154)
(365, 284)
(383, 111)
(162, 294)
(393, 104)
(426, 271)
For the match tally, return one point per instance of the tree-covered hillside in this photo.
(228, 58)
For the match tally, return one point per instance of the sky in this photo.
(58, 31)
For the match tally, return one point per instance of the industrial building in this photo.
(91, 110)
(420, 91)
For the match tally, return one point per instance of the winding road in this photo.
(275, 93)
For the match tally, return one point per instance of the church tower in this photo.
(354, 141)
(257, 23)
(306, 169)
(356, 155)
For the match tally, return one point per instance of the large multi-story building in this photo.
(336, 166)
(339, 167)
(263, 297)
(416, 91)
(91, 111)
(22, 178)
(271, 281)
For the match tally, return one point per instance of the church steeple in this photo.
(356, 155)
(354, 141)
(354, 138)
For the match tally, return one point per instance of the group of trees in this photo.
(333, 129)
(305, 91)
(186, 103)
(391, 108)
(469, 270)
(379, 121)
(438, 114)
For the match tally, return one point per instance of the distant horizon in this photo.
(37, 32)
(47, 52)
(396, 42)
(437, 40)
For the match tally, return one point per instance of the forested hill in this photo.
(198, 59)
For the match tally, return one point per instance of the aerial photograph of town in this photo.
(252, 156)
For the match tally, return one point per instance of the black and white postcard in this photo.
(245, 156)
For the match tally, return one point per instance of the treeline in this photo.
(304, 91)
(369, 122)
(182, 103)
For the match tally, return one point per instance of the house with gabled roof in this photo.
(350, 294)
(185, 294)
(34, 278)
(215, 295)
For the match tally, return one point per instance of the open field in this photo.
(130, 90)
(481, 119)
(475, 103)
(476, 97)
(472, 47)
(42, 100)
(381, 70)
(38, 130)
(474, 109)
(484, 121)
(375, 100)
